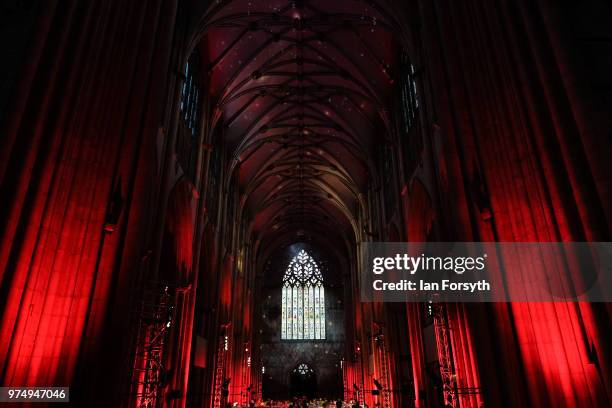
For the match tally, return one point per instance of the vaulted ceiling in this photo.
(304, 89)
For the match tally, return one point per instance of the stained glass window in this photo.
(412, 139)
(188, 132)
(303, 300)
(190, 97)
(410, 96)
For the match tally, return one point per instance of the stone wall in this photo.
(280, 357)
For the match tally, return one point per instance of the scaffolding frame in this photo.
(385, 379)
(445, 359)
(154, 315)
(220, 385)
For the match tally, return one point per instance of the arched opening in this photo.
(303, 381)
(176, 277)
(320, 343)
(303, 300)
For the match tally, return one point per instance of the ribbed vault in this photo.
(302, 88)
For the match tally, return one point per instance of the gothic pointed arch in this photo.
(303, 300)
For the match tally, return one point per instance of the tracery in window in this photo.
(303, 300)
(303, 369)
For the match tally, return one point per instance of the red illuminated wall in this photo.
(79, 157)
(519, 158)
